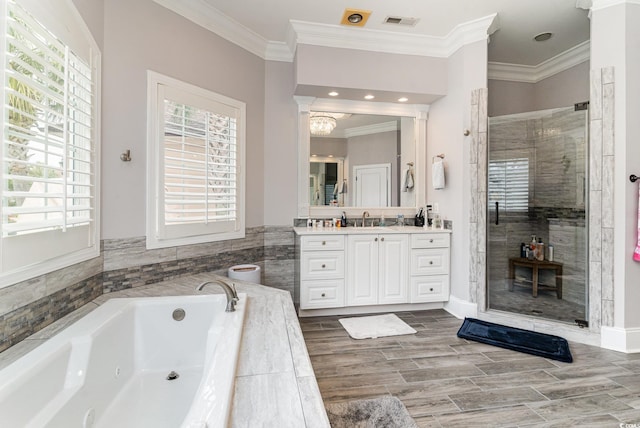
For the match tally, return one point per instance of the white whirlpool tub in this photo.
(129, 363)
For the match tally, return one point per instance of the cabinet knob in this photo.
(324, 242)
(324, 266)
(430, 262)
(382, 239)
(431, 241)
(376, 239)
(324, 295)
(431, 289)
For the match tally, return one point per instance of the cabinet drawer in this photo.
(430, 261)
(322, 242)
(433, 288)
(430, 240)
(322, 264)
(322, 294)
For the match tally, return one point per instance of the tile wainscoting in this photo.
(29, 306)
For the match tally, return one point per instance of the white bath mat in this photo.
(375, 326)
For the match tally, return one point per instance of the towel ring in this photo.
(633, 178)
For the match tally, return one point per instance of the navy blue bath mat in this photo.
(516, 339)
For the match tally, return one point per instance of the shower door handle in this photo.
(497, 214)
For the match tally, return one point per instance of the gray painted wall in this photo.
(141, 36)
(561, 90)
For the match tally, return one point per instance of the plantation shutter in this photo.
(47, 157)
(199, 141)
(509, 184)
(49, 140)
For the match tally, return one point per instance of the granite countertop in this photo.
(363, 230)
(275, 384)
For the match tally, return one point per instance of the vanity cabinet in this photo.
(322, 271)
(357, 270)
(429, 268)
(378, 266)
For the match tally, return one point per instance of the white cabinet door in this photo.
(393, 286)
(362, 272)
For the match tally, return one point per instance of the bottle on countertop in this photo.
(532, 248)
(343, 219)
(540, 250)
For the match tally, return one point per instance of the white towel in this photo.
(408, 179)
(335, 190)
(437, 174)
(343, 187)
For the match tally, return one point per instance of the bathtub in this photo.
(129, 363)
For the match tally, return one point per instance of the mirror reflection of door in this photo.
(325, 177)
(373, 185)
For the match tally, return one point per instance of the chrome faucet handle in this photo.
(235, 292)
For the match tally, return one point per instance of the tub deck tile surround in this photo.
(31, 305)
(275, 384)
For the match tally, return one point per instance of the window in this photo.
(196, 164)
(509, 184)
(49, 147)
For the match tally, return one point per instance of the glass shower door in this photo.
(537, 237)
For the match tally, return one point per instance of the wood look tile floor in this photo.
(446, 382)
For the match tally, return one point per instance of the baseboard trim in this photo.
(373, 309)
(461, 308)
(625, 340)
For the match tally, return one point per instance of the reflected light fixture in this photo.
(403, 99)
(321, 125)
(333, 94)
(369, 97)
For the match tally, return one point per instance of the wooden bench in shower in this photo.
(535, 266)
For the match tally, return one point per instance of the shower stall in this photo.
(537, 182)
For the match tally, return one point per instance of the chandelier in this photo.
(321, 125)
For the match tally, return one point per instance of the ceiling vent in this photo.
(400, 20)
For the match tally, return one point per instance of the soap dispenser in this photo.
(343, 219)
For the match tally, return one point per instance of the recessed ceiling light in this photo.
(355, 17)
(403, 100)
(330, 156)
(313, 156)
(543, 37)
(369, 97)
(333, 94)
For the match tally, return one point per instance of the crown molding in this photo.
(337, 36)
(535, 73)
(202, 13)
(603, 4)
(371, 129)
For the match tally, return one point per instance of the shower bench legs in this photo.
(536, 266)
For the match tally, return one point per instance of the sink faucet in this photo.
(364, 215)
(229, 290)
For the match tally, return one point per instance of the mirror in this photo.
(361, 160)
(411, 126)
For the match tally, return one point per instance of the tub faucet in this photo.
(364, 215)
(229, 290)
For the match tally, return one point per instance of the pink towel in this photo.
(636, 253)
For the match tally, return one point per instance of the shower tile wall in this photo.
(554, 144)
(29, 306)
